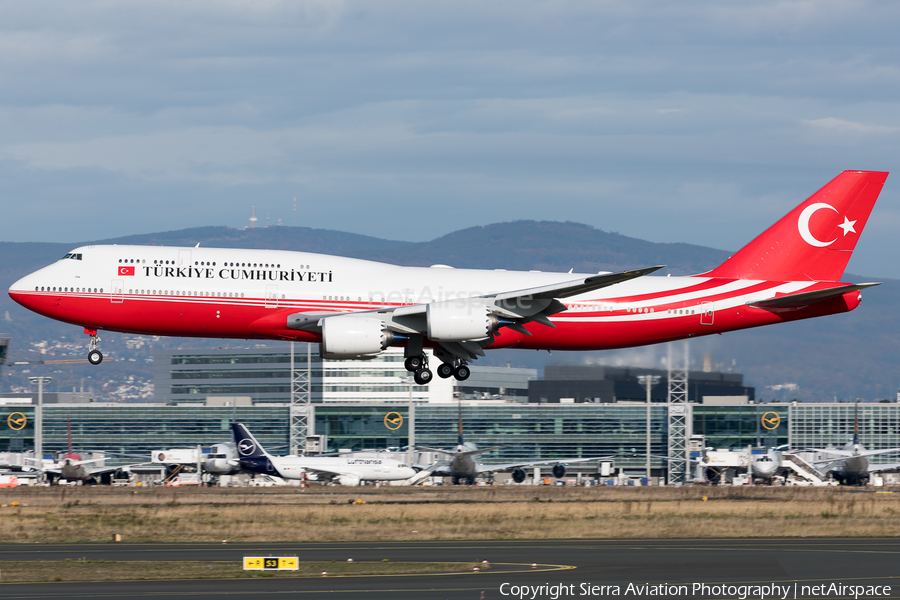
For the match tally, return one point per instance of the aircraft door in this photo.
(184, 258)
(271, 296)
(117, 291)
(706, 313)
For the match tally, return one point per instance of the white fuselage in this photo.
(365, 468)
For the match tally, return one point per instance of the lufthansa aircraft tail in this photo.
(251, 454)
(814, 241)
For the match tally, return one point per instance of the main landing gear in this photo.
(422, 374)
(95, 357)
(419, 367)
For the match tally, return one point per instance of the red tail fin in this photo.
(815, 240)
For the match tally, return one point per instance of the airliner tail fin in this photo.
(814, 241)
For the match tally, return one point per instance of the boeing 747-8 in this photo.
(358, 308)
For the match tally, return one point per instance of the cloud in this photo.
(842, 126)
(660, 122)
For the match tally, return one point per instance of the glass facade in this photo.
(136, 429)
(358, 427)
(264, 375)
(16, 428)
(534, 432)
(736, 427)
(831, 425)
(528, 431)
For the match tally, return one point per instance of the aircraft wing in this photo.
(104, 470)
(516, 308)
(455, 453)
(321, 471)
(533, 463)
(438, 469)
(807, 298)
(884, 467)
(842, 454)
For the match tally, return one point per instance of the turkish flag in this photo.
(126, 271)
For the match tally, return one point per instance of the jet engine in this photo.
(459, 320)
(348, 480)
(353, 336)
(559, 470)
(518, 475)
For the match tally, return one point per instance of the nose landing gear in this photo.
(95, 357)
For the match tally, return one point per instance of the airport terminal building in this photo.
(574, 412)
(528, 431)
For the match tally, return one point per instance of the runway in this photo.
(576, 564)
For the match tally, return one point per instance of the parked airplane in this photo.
(764, 463)
(464, 466)
(72, 467)
(357, 308)
(852, 463)
(222, 460)
(344, 470)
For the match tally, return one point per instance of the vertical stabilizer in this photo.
(856, 423)
(814, 241)
(246, 444)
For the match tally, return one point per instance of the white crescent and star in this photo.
(803, 225)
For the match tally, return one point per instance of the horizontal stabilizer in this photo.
(807, 298)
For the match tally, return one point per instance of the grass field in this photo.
(96, 514)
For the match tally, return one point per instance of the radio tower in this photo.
(253, 218)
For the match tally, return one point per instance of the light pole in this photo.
(648, 381)
(410, 423)
(39, 420)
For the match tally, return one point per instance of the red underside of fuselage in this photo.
(213, 317)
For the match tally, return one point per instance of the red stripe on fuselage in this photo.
(249, 318)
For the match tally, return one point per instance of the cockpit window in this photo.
(71, 255)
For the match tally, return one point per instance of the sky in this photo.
(700, 122)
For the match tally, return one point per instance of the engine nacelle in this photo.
(353, 336)
(518, 475)
(348, 480)
(459, 320)
(559, 471)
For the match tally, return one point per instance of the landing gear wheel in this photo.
(444, 370)
(423, 376)
(95, 357)
(462, 372)
(413, 363)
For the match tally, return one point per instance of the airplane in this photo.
(343, 470)
(852, 465)
(355, 309)
(222, 460)
(72, 467)
(764, 463)
(463, 466)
